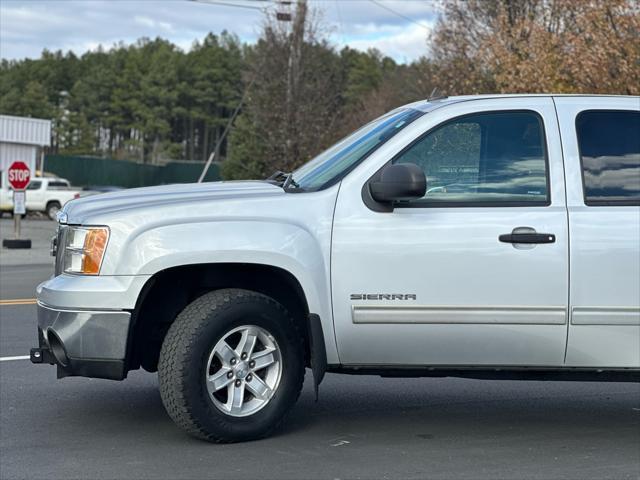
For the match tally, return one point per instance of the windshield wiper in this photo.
(277, 174)
(287, 179)
(290, 182)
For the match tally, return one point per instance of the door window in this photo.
(609, 144)
(496, 158)
(34, 185)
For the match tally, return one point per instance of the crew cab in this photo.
(478, 236)
(43, 194)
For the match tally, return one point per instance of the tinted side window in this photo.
(496, 158)
(34, 185)
(58, 184)
(609, 144)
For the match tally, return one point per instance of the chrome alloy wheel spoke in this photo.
(258, 388)
(247, 343)
(219, 380)
(225, 353)
(236, 399)
(263, 359)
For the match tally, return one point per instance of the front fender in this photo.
(150, 249)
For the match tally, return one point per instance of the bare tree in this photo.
(293, 102)
(538, 46)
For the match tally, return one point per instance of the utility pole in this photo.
(296, 41)
(283, 14)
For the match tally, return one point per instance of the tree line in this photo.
(146, 102)
(151, 101)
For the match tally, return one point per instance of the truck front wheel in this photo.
(231, 366)
(52, 209)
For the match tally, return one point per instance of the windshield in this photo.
(333, 164)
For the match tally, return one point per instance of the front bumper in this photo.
(87, 343)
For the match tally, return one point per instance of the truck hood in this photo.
(79, 210)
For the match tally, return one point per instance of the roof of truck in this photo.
(431, 104)
(499, 95)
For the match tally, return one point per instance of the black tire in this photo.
(52, 209)
(184, 356)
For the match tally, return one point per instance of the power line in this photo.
(238, 5)
(381, 5)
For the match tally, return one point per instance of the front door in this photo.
(449, 279)
(35, 195)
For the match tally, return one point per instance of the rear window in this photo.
(609, 143)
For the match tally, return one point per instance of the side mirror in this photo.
(402, 181)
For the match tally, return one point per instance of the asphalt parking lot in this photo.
(362, 427)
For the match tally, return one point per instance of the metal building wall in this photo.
(11, 152)
(27, 131)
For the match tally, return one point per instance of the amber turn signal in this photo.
(94, 245)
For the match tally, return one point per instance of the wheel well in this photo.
(167, 293)
(51, 202)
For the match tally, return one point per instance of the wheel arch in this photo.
(167, 292)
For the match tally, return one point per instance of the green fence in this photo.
(83, 171)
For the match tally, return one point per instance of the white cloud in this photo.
(403, 44)
(151, 23)
(26, 28)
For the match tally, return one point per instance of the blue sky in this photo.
(28, 26)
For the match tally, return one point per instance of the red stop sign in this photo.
(19, 175)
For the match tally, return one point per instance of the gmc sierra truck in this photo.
(482, 237)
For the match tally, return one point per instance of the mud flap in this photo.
(318, 351)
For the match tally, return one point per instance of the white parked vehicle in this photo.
(43, 194)
(482, 237)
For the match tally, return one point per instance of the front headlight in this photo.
(84, 249)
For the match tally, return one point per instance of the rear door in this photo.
(431, 283)
(601, 144)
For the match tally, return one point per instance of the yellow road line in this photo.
(19, 301)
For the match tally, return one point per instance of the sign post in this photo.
(19, 177)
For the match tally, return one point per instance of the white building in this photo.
(23, 139)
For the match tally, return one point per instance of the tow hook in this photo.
(41, 355)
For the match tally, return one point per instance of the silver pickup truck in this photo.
(483, 237)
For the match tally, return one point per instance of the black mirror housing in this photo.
(401, 181)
